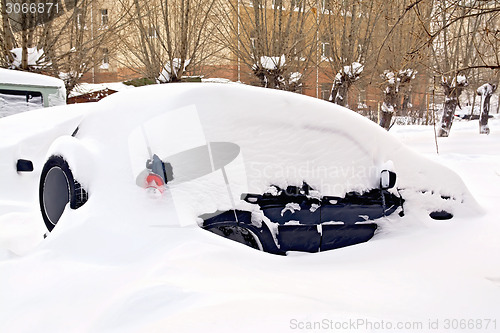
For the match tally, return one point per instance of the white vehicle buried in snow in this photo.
(274, 170)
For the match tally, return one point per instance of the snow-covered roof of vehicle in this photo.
(16, 77)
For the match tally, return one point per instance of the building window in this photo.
(253, 41)
(295, 4)
(104, 17)
(105, 59)
(78, 18)
(362, 96)
(256, 3)
(326, 91)
(299, 47)
(326, 5)
(152, 32)
(326, 50)
(362, 100)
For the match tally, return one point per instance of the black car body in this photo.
(298, 219)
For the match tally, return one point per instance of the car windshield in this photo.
(215, 154)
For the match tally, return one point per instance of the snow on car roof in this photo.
(283, 136)
(26, 78)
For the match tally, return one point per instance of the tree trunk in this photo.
(449, 107)
(8, 36)
(394, 82)
(385, 119)
(339, 92)
(387, 110)
(405, 105)
(24, 53)
(452, 92)
(473, 106)
(485, 91)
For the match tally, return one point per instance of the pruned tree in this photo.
(485, 91)
(167, 38)
(343, 81)
(275, 39)
(394, 82)
(453, 88)
(347, 36)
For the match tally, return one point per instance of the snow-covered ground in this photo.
(415, 275)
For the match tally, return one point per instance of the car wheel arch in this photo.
(57, 188)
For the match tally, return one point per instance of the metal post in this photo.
(239, 59)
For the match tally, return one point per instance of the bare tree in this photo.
(394, 82)
(66, 40)
(7, 40)
(484, 15)
(462, 39)
(347, 37)
(81, 42)
(165, 38)
(275, 39)
(398, 61)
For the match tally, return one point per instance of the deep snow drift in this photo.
(109, 268)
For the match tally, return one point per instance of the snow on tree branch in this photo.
(343, 80)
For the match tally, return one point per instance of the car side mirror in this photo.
(387, 179)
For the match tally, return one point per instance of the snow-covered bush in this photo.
(171, 69)
(36, 58)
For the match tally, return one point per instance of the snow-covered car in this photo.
(274, 170)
